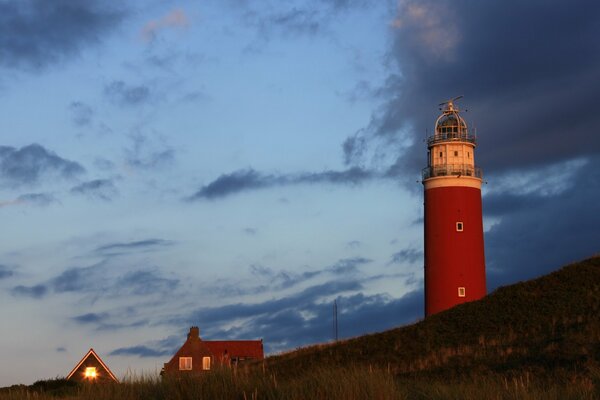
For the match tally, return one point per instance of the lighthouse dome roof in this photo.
(451, 120)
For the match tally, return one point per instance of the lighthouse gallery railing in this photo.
(452, 170)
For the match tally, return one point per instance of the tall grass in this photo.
(352, 383)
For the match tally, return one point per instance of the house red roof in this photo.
(236, 348)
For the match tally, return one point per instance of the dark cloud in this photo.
(81, 113)
(146, 283)
(407, 255)
(61, 350)
(29, 164)
(121, 93)
(126, 247)
(37, 33)
(103, 279)
(77, 279)
(102, 189)
(90, 318)
(249, 179)
(250, 231)
(36, 292)
(141, 351)
(522, 99)
(5, 272)
(348, 265)
(539, 233)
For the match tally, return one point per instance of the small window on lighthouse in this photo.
(456, 154)
(461, 292)
(441, 154)
(459, 227)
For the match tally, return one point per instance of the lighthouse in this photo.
(453, 223)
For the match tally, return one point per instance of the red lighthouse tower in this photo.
(454, 255)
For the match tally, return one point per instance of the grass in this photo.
(352, 383)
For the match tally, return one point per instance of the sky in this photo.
(239, 165)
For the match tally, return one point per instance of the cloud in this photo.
(407, 255)
(174, 19)
(36, 291)
(249, 179)
(250, 231)
(146, 154)
(126, 247)
(38, 33)
(90, 318)
(5, 272)
(141, 351)
(122, 94)
(143, 282)
(521, 98)
(537, 233)
(102, 189)
(81, 113)
(61, 349)
(106, 279)
(30, 164)
(275, 281)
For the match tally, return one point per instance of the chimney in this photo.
(194, 333)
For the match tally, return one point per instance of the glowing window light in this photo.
(90, 372)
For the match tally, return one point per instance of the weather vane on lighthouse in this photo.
(454, 253)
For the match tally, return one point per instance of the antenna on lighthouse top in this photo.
(450, 103)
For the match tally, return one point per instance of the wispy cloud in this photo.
(134, 246)
(82, 113)
(249, 179)
(102, 189)
(105, 279)
(406, 255)
(121, 93)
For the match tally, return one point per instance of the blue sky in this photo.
(239, 165)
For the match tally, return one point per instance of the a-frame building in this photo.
(91, 368)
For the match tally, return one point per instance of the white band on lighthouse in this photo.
(446, 181)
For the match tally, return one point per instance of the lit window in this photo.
(205, 363)
(459, 226)
(90, 373)
(185, 363)
(461, 292)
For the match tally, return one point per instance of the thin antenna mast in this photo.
(335, 320)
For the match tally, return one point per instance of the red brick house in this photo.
(197, 355)
(91, 368)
